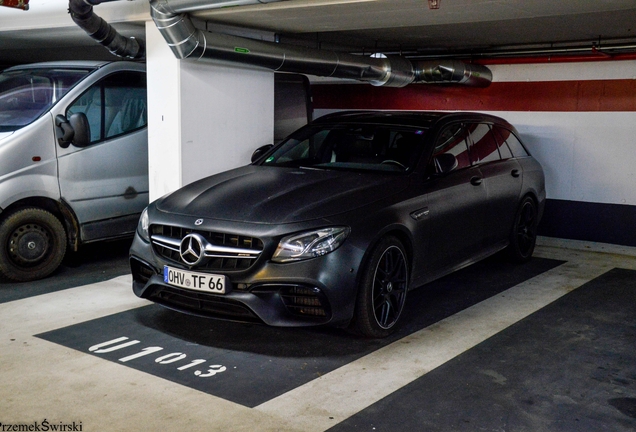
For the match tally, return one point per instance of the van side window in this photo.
(114, 106)
(454, 139)
(517, 149)
(483, 147)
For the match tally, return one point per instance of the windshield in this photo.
(351, 147)
(26, 94)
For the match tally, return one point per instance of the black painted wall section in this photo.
(605, 223)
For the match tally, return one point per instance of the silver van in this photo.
(73, 160)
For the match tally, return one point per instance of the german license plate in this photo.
(206, 282)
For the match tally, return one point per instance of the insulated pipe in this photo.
(82, 14)
(187, 41)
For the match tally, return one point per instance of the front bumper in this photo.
(312, 292)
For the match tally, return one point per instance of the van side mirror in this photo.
(81, 128)
(259, 152)
(75, 130)
(444, 163)
(63, 131)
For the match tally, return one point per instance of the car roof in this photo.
(421, 119)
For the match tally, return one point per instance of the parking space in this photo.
(496, 346)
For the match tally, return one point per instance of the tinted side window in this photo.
(454, 140)
(504, 151)
(484, 147)
(513, 142)
(114, 106)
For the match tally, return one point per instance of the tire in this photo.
(33, 244)
(523, 237)
(382, 291)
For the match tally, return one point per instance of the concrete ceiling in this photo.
(458, 27)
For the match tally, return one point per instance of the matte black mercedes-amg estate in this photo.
(338, 222)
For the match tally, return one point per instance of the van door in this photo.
(106, 182)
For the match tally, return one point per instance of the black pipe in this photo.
(82, 14)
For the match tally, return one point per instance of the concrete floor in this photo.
(550, 345)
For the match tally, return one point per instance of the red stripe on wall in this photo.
(602, 95)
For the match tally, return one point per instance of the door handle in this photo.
(475, 181)
(515, 173)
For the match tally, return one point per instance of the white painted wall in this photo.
(586, 156)
(226, 113)
(203, 118)
(164, 115)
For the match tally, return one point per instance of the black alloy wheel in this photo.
(383, 290)
(33, 244)
(524, 232)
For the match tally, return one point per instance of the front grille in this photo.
(166, 239)
(202, 304)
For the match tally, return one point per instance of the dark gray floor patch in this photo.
(569, 367)
(251, 364)
(95, 262)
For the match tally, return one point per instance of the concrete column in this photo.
(203, 118)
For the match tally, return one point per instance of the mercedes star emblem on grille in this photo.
(192, 249)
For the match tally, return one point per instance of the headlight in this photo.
(142, 227)
(310, 244)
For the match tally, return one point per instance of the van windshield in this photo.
(26, 94)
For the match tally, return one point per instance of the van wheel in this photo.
(383, 289)
(523, 237)
(33, 244)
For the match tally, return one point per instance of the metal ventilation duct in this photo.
(188, 42)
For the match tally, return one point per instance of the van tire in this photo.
(33, 244)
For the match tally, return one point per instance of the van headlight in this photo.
(142, 226)
(310, 244)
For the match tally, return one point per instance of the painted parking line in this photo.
(251, 364)
(334, 397)
(570, 366)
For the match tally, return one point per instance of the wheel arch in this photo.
(60, 209)
(402, 234)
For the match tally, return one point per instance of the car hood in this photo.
(274, 195)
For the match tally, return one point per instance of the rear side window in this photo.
(504, 150)
(483, 147)
(513, 142)
(114, 106)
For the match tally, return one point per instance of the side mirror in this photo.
(81, 128)
(75, 130)
(259, 152)
(444, 163)
(63, 131)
